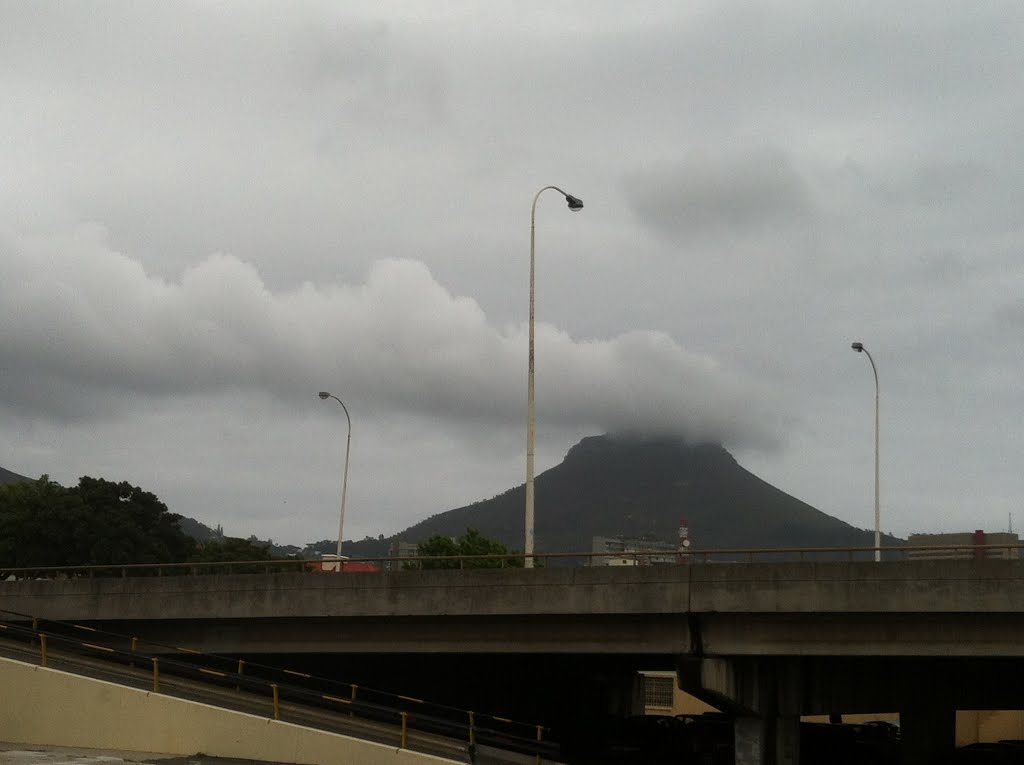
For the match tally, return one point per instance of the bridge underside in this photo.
(654, 634)
(571, 672)
(867, 634)
(847, 685)
(770, 694)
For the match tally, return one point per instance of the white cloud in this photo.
(92, 318)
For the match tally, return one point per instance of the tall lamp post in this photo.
(324, 395)
(575, 204)
(859, 347)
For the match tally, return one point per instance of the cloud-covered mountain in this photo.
(636, 486)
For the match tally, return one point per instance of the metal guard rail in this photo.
(420, 562)
(409, 713)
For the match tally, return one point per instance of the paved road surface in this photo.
(21, 754)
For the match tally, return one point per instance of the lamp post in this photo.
(344, 480)
(859, 347)
(575, 205)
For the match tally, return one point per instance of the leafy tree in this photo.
(470, 543)
(38, 524)
(98, 522)
(131, 525)
(233, 548)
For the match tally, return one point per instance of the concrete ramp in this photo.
(47, 707)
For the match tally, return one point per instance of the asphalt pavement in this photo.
(22, 754)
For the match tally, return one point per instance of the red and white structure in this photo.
(684, 541)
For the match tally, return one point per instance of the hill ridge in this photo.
(640, 487)
(9, 476)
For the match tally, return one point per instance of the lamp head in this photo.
(575, 203)
(859, 347)
(324, 394)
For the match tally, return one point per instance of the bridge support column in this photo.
(766, 696)
(927, 733)
(767, 740)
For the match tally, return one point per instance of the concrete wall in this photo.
(937, 587)
(40, 706)
(682, 702)
(993, 725)
(971, 726)
(510, 592)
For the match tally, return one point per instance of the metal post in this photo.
(344, 479)
(531, 416)
(878, 512)
(859, 347)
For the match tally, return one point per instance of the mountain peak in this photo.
(639, 447)
(640, 486)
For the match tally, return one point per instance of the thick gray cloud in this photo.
(95, 324)
(208, 212)
(709, 196)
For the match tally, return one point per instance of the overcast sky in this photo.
(211, 211)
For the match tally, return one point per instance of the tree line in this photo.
(97, 523)
(108, 523)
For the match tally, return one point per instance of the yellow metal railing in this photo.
(409, 712)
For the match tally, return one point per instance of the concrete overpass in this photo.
(770, 641)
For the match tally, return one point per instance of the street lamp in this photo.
(859, 347)
(324, 395)
(575, 204)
